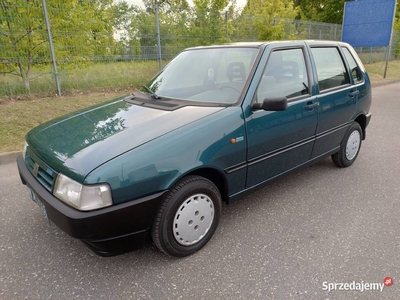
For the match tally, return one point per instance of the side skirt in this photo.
(253, 188)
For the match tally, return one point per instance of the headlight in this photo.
(24, 150)
(82, 197)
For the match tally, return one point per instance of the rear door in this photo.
(337, 97)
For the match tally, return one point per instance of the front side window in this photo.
(331, 70)
(285, 75)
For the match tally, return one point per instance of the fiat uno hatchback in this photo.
(214, 124)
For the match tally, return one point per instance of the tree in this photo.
(22, 38)
(178, 25)
(265, 19)
(80, 29)
(328, 11)
(122, 20)
(208, 24)
(333, 11)
(397, 30)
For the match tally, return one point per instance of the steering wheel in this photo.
(229, 87)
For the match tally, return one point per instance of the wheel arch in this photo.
(362, 120)
(215, 176)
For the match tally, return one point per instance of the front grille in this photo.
(43, 173)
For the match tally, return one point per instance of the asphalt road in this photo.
(286, 241)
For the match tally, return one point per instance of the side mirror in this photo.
(271, 104)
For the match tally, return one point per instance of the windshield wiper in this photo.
(152, 94)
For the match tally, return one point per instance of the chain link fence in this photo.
(101, 48)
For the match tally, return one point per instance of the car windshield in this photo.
(214, 75)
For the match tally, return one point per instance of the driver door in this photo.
(279, 141)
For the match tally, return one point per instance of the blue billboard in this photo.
(368, 22)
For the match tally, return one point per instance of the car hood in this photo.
(78, 143)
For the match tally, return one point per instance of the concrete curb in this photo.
(8, 157)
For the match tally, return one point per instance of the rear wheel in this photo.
(188, 217)
(350, 147)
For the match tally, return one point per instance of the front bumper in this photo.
(107, 231)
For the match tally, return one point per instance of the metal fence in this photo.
(96, 48)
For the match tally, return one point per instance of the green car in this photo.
(215, 123)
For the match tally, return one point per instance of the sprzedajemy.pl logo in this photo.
(357, 286)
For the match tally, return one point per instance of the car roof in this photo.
(265, 43)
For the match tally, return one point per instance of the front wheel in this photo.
(188, 217)
(350, 147)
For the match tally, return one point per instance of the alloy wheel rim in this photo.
(193, 219)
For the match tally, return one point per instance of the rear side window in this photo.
(331, 70)
(354, 68)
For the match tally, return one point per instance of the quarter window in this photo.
(354, 68)
(331, 70)
(285, 75)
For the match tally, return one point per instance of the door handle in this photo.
(353, 94)
(311, 106)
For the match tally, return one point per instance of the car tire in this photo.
(350, 147)
(188, 217)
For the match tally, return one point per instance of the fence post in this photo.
(309, 30)
(389, 48)
(370, 55)
(387, 58)
(158, 39)
(53, 57)
(335, 32)
(226, 24)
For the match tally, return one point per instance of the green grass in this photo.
(376, 71)
(19, 114)
(79, 86)
(81, 77)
